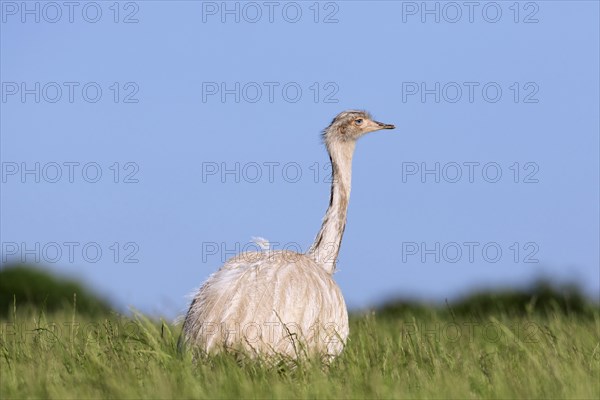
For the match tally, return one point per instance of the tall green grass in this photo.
(422, 355)
(540, 343)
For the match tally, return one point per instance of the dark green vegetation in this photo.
(542, 344)
(541, 298)
(30, 287)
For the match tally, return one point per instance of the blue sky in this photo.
(205, 132)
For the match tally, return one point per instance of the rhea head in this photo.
(350, 125)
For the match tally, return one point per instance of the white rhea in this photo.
(269, 303)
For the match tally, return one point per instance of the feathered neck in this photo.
(326, 246)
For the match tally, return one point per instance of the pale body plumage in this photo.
(274, 302)
(281, 302)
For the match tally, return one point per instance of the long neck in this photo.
(326, 246)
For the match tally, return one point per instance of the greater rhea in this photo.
(282, 303)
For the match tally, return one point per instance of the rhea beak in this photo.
(385, 126)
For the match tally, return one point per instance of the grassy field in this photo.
(543, 342)
(396, 353)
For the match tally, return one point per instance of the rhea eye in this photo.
(358, 121)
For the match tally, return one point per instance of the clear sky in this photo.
(203, 121)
